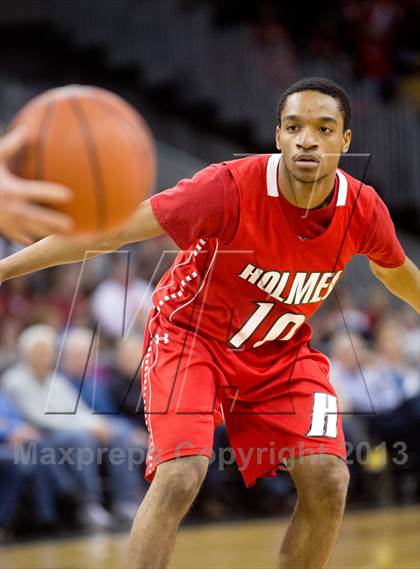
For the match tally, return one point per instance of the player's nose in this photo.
(306, 140)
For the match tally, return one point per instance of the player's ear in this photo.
(346, 141)
(278, 138)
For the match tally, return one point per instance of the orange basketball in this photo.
(94, 142)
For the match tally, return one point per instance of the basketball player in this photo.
(24, 211)
(264, 241)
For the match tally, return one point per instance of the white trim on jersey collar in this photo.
(273, 191)
(271, 174)
(342, 189)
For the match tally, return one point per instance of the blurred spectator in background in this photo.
(373, 42)
(154, 257)
(79, 360)
(364, 382)
(403, 422)
(62, 291)
(16, 301)
(348, 355)
(15, 435)
(274, 51)
(376, 25)
(10, 329)
(49, 402)
(349, 315)
(378, 304)
(125, 388)
(410, 344)
(373, 396)
(398, 348)
(117, 299)
(125, 380)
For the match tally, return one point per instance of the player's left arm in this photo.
(403, 281)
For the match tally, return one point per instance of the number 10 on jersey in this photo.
(276, 330)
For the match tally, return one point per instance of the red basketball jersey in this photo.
(265, 284)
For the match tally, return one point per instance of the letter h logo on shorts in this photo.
(324, 416)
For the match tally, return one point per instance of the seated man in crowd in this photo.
(125, 382)
(78, 364)
(50, 403)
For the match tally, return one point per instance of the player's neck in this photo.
(307, 195)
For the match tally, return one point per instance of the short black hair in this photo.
(321, 85)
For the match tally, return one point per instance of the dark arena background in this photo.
(207, 76)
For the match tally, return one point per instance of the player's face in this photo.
(311, 136)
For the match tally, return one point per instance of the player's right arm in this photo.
(60, 250)
(205, 205)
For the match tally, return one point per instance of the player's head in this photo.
(313, 129)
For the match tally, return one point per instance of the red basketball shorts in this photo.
(277, 405)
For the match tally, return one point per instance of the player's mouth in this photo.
(307, 160)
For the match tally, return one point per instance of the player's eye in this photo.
(292, 128)
(325, 130)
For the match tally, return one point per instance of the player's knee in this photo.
(327, 489)
(178, 481)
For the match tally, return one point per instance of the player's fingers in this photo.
(41, 221)
(12, 142)
(47, 192)
(13, 235)
(34, 191)
(22, 239)
(31, 232)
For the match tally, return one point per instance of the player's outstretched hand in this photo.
(25, 214)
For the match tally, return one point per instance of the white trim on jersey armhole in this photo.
(342, 189)
(271, 174)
